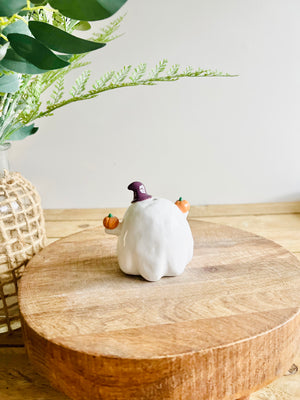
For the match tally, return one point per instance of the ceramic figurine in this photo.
(154, 237)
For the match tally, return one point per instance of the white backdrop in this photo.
(210, 140)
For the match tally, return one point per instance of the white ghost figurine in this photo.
(154, 237)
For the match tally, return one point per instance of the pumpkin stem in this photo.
(180, 198)
(109, 215)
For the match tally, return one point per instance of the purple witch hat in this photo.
(139, 192)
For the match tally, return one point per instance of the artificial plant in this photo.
(38, 48)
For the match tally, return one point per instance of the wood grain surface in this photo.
(20, 381)
(228, 326)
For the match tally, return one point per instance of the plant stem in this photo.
(38, 8)
(10, 108)
(87, 96)
(93, 93)
(2, 102)
(22, 19)
(6, 104)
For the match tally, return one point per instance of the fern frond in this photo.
(116, 80)
(14, 105)
(139, 72)
(50, 77)
(103, 80)
(173, 71)
(77, 64)
(59, 20)
(39, 15)
(188, 70)
(80, 84)
(31, 96)
(58, 91)
(159, 68)
(121, 75)
(107, 33)
(30, 100)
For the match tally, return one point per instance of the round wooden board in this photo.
(224, 328)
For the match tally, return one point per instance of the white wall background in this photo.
(211, 140)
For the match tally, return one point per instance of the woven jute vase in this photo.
(22, 234)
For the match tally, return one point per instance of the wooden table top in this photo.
(235, 308)
(279, 221)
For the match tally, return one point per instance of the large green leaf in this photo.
(87, 10)
(17, 27)
(14, 62)
(39, 2)
(9, 83)
(35, 52)
(10, 7)
(112, 6)
(3, 50)
(65, 57)
(23, 132)
(58, 40)
(23, 13)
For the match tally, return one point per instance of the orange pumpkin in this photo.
(110, 222)
(183, 205)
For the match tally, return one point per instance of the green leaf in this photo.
(89, 10)
(17, 27)
(35, 52)
(39, 2)
(112, 6)
(14, 62)
(10, 7)
(9, 83)
(23, 13)
(83, 26)
(23, 132)
(3, 50)
(65, 57)
(58, 40)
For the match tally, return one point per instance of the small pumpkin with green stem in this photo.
(110, 222)
(183, 205)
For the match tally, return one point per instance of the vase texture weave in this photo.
(22, 234)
